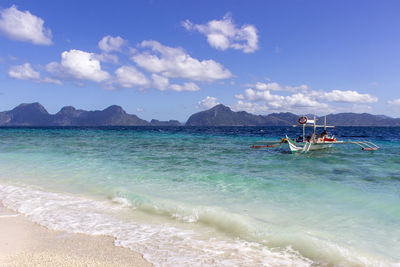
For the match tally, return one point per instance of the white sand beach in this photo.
(24, 243)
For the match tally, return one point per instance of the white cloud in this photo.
(297, 106)
(346, 96)
(223, 34)
(108, 58)
(129, 76)
(273, 86)
(187, 86)
(23, 26)
(261, 86)
(277, 102)
(207, 103)
(303, 92)
(303, 99)
(80, 65)
(255, 108)
(256, 96)
(176, 63)
(23, 72)
(162, 83)
(50, 80)
(239, 96)
(394, 102)
(109, 43)
(26, 72)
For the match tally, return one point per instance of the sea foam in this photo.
(161, 244)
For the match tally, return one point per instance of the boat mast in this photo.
(315, 124)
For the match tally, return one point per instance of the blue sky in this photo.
(169, 59)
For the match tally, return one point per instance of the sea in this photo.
(200, 196)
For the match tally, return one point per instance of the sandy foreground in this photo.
(23, 243)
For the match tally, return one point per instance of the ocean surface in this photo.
(201, 196)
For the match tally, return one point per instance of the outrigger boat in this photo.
(304, 143)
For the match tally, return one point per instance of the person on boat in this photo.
(324, 133)
(299, 139)
(308, 138)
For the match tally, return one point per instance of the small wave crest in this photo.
(122, 201)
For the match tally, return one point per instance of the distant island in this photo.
(34, 114)
(221, 115)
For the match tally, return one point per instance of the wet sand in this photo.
(24, 243)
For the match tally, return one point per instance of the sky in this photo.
(169, 59)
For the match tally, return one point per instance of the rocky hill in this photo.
(221, 115)
(35, 114)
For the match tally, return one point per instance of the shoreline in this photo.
(23, 243)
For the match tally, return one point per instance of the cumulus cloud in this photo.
(276, 102)
(187, 86)
(162, 83)
(274, 86)
(80, 65)
(255, 96)
(394, 102)
(255, 108)
(24, 26)
(109, 44)
(207, 103)
(264, 107)
(303, 100)
(261, 99)
(23, 72)
(129, 76)
(108, 58)
(26, 72)
(174, 62)
(332, 96)
(346, 96)
(223, 34)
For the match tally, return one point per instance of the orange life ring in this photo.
(303, 120)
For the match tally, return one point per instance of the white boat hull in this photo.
(306, 146)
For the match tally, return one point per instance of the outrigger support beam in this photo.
(365, 145)
(265, 144)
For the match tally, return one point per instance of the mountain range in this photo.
(221, 115)
(35, 114)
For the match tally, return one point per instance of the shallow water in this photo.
(201, 196)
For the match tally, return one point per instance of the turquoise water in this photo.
(201, 196)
